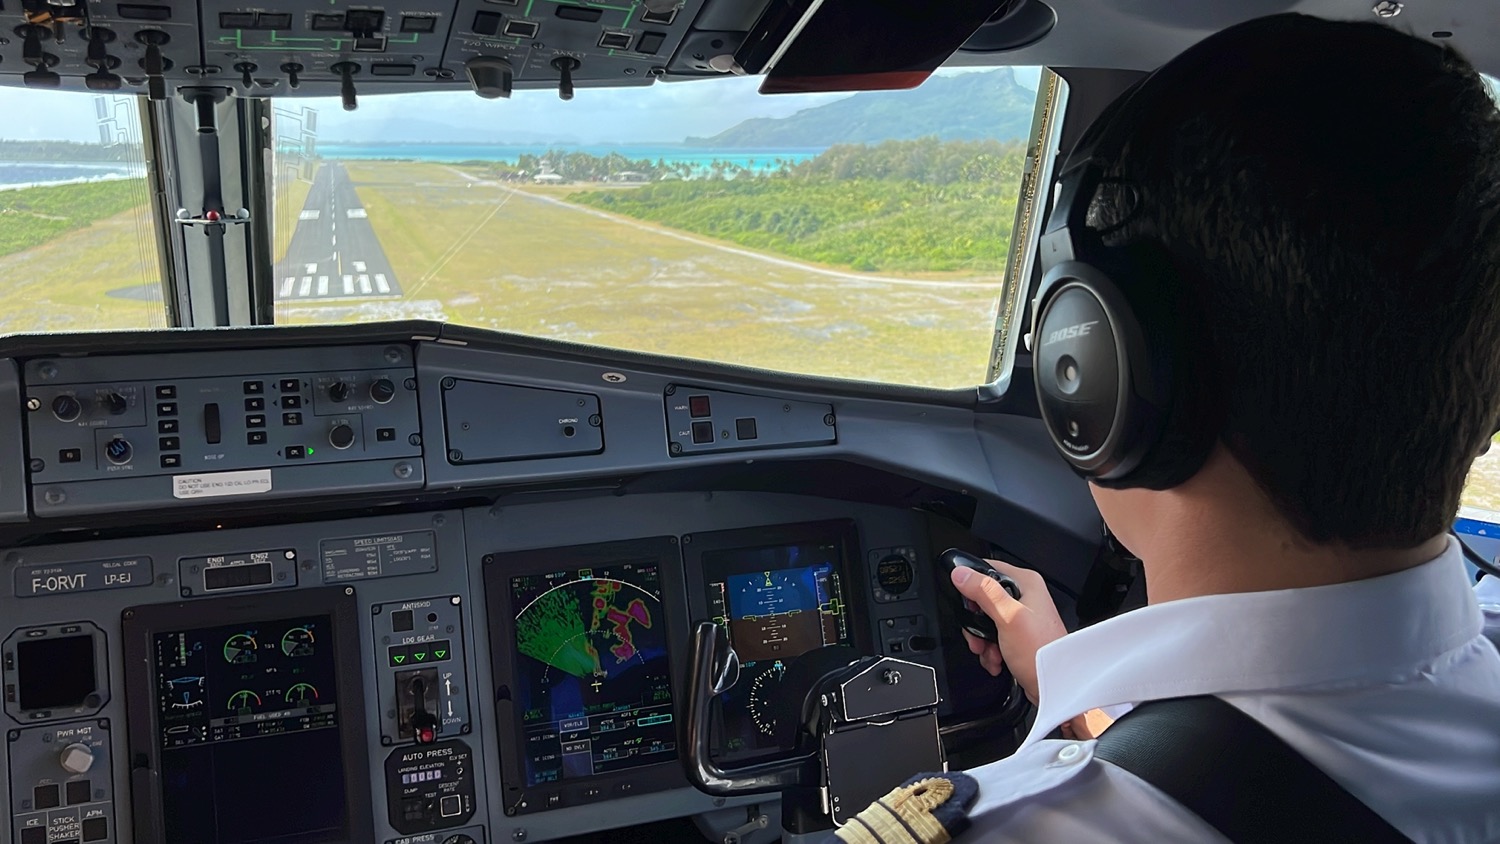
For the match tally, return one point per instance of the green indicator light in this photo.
(399, 658)
(309, 451)
(440, 654)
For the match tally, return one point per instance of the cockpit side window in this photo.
(78, 248)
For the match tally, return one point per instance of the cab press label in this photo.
(90, 576)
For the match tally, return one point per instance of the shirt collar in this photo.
(1382, 629)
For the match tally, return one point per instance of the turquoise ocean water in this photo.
(697, 157)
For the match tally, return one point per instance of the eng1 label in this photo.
(89, 576)
(384, 555)
(249, 482)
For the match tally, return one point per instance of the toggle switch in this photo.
(245, 69)
(565, 65)
(293, 71)
(154, 64)
(346, 71)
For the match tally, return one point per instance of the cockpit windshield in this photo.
(853, 235)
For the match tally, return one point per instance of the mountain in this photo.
(967, 106)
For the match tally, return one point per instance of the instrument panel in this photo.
(408, 591)
(491, 688)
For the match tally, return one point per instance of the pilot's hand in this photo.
(1023, 626)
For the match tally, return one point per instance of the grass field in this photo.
(64, 283)
(526, 260)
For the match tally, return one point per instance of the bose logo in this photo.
(1079, 330)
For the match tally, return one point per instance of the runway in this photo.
(334, 253)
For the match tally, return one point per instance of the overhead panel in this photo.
(304, 48)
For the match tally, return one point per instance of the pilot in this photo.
(1323, 201)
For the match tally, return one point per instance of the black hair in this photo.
(1329, 195)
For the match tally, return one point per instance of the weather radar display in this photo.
(592, 671)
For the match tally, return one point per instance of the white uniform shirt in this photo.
(1386, 684)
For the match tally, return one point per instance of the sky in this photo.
(664, 112)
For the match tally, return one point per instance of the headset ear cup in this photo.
(1089, 351)
(1175, 381)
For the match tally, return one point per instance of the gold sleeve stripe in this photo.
(904, 816)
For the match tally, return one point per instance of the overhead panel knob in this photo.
(491, 76)
(77, 758)
(116, 404)
(339, 391)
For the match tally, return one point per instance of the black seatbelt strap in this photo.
(1238, 776)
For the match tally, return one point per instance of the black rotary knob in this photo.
(341, 436)
(67, 408)
(118, 451)
(382, 391)
(458, 838)
(116, 404)
(339, 391)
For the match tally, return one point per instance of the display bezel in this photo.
(140, 624)
(843, 531)
(518, 797)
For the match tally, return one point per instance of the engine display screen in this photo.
(247, 717)
(592, 677)
(777, 602)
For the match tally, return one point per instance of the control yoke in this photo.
(863, 725)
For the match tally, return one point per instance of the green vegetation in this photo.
(33, 216)
(69, 151)
(917, 206)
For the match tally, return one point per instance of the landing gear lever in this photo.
(424, 725)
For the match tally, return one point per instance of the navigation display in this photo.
(592, 678)
(247, 719)
(777, 602)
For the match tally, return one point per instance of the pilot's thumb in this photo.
(988, 595)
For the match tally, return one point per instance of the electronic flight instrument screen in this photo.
(247, 725)
(777, 602)
(247, 719)
(591, 672)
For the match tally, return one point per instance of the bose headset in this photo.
(1122, 363)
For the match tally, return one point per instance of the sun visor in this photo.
(861, 45)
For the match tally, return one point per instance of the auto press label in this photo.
(89, 576)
